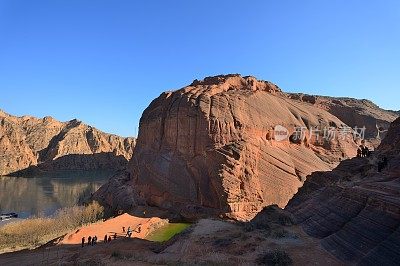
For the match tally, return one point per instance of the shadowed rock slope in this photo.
(355, 210)
(26, 142)
(209, 148)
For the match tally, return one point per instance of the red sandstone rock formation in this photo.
(355, 210)
(210, 147)
(353, 112)
(52, 145)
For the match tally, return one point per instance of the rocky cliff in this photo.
(210, 147)
(353, 112)
(355, 209)
(28, 143)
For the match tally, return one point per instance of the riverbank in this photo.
(33, 232)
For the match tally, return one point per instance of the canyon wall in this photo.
(355, 209)
(29, 144)
(353, 112)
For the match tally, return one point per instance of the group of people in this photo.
(363, 150)
(107, 238)
(129, 231)
(93, 240)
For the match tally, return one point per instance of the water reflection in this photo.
(46, 194)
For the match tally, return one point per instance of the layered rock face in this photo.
(27, 142)
(210, 147)
(355, 210)
(353, 112)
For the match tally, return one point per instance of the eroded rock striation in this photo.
(28, 144)
(355, 209)
(210, 148)
(354, 113)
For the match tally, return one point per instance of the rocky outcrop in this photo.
(355, 210)
(354, 112)
(47, 144)
(210, 148)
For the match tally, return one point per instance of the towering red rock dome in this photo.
(209, 148)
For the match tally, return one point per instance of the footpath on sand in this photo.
(141, 227)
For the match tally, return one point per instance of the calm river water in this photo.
(46, 194)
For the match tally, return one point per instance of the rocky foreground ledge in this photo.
(355, 209)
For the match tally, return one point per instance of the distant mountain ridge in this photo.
(47, 144)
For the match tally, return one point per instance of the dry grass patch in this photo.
(34, 232)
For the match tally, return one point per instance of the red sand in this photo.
(141, 228)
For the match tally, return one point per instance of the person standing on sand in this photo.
(89, 241)
(83, 241)
(129, 232)
(105, 239)
(115, 235)
(109, 239)
(123, 229)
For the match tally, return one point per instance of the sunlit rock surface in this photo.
(26, 142)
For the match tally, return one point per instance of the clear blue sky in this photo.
(104, 61)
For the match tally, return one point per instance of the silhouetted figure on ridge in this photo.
(363, 149)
